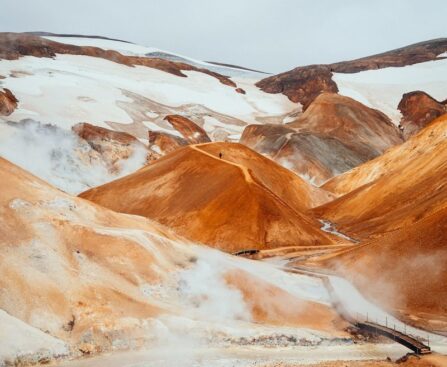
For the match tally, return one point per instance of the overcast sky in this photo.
(270, 35)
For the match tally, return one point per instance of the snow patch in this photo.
(94, 90)
(383, 88)
(330, 228)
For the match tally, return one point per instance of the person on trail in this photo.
(220, 155)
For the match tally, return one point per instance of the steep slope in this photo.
(314, 157)
(404, 271)
(80, 279)
(423, 144)
(396, 190)
(162, 143)
(333, 135)
(377, 81)
(418, 109)
(59, 261)
(220, 194)
(127, 87)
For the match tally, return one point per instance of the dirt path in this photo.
(244, 170)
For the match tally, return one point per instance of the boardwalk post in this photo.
(428, 339)
(386, 321)
(367, 317)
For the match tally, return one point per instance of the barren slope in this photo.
(405, 271)
(399, 188)
(239, 201)
(425, 143)
(100, 280)
(333, 135)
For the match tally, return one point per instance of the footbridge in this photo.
(416, 344)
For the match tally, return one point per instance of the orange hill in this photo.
(405, 271)
(334, 135)
(397, 204)
(85, 274)
(395, 190)
(242, 200)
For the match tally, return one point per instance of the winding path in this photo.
(244, 170)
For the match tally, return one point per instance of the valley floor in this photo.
(240, 356)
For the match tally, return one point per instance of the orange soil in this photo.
(399, 188)
(56, 263)
(334, 135)
(241, 201)
(272, 305)
(400, 212)
(365, 130)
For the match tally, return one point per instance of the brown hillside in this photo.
(242, 200)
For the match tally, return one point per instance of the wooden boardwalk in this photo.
(408, 341)
(404, 339)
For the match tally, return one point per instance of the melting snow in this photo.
(383, 88)
(330, 228)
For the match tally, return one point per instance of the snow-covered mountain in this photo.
(64, 81)
(124, 87)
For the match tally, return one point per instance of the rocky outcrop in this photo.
(334, 135)
(161, 143)
(365, 130)
(303, 84)
(190, 131)
(113, 146)
(8, 102)
(16, 45)
(418, 109)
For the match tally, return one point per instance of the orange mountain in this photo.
(404, 271)
(334, 135)
(222, 194)
(85, 274)
(396, 190)
(397, 204)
